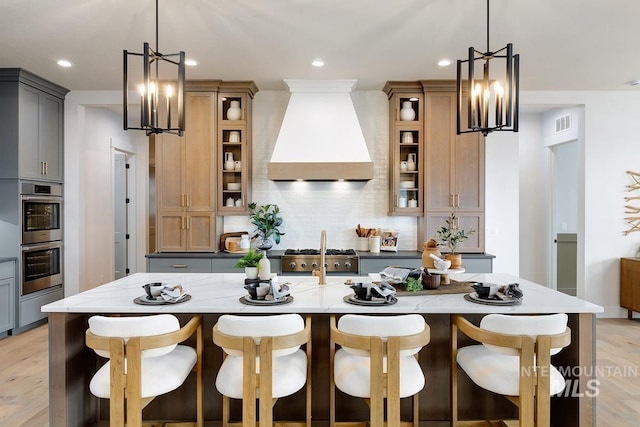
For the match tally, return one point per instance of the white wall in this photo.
(501, 201)
(532, 194)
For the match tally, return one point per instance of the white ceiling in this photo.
(563, 44)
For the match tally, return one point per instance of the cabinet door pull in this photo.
(457, 201)
(452, 202)
(45, 168)
(179, 266)
(184, 222)
(188, 199)
(188, 223)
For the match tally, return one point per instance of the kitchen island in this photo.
(72, 363)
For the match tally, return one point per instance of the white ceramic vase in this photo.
(407, 113)
(234, 112)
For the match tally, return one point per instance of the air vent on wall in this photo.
(563, 123)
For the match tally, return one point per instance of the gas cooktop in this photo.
(308, 260)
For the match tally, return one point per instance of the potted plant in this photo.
(450, 235)
(250, 263)
(267, 220)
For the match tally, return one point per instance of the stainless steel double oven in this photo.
(41, 246)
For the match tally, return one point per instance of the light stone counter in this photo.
(220, 293)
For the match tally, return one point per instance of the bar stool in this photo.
(145, 361)
(513, 360)
(378, 360)
(263, 360)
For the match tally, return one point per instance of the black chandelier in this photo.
(149, 87)
(486, 93)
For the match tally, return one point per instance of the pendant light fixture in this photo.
(491, 103)
(161, 90)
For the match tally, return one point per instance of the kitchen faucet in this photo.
(323, 258)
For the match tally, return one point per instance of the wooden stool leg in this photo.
(225, 411)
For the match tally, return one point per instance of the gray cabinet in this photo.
(179, 265)
(31, 138)
(204, 264)
(7, 295)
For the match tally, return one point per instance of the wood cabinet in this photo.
(630, 285)
(406, 142)
(7, 295)
(32, 111)
(234, 147)
(449, 172)
(454, 168)
(191, 181)
(185, 180)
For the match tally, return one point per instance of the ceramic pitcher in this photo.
(411, 162)
(229, 164)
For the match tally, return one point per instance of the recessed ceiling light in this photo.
(64, 63)
(191, 62)
(318, 63)
(444, 62)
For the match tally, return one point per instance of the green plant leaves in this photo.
(267, 220)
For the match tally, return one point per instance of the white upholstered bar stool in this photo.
(263, 360)
(378, 361)
(145, 361)
(513, 360)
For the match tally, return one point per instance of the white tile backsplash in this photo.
(337, 207)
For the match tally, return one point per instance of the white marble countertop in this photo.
(220, 293)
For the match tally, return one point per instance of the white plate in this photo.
(233, 186)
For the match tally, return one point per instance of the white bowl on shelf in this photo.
(407, 184)
(234, 186)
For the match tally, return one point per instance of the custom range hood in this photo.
(320, 138)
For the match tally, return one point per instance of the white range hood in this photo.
(320, 138)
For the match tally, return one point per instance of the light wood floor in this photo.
(24, 376)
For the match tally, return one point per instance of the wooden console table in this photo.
(630, 285)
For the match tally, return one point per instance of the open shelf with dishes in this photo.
(234, 147)
(406, 141)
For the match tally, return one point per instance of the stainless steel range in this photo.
(337, 261)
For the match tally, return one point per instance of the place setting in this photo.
(371, 294)
(158, 293)
(266, 292)
(494, 294)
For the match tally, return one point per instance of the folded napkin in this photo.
(278, 292)
(512, 290)
(383, 291)
(395, 275)
(173, 293)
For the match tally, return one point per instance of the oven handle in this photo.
(46, 199)
(43, 246)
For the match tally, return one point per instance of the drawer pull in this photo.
(179, 266)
